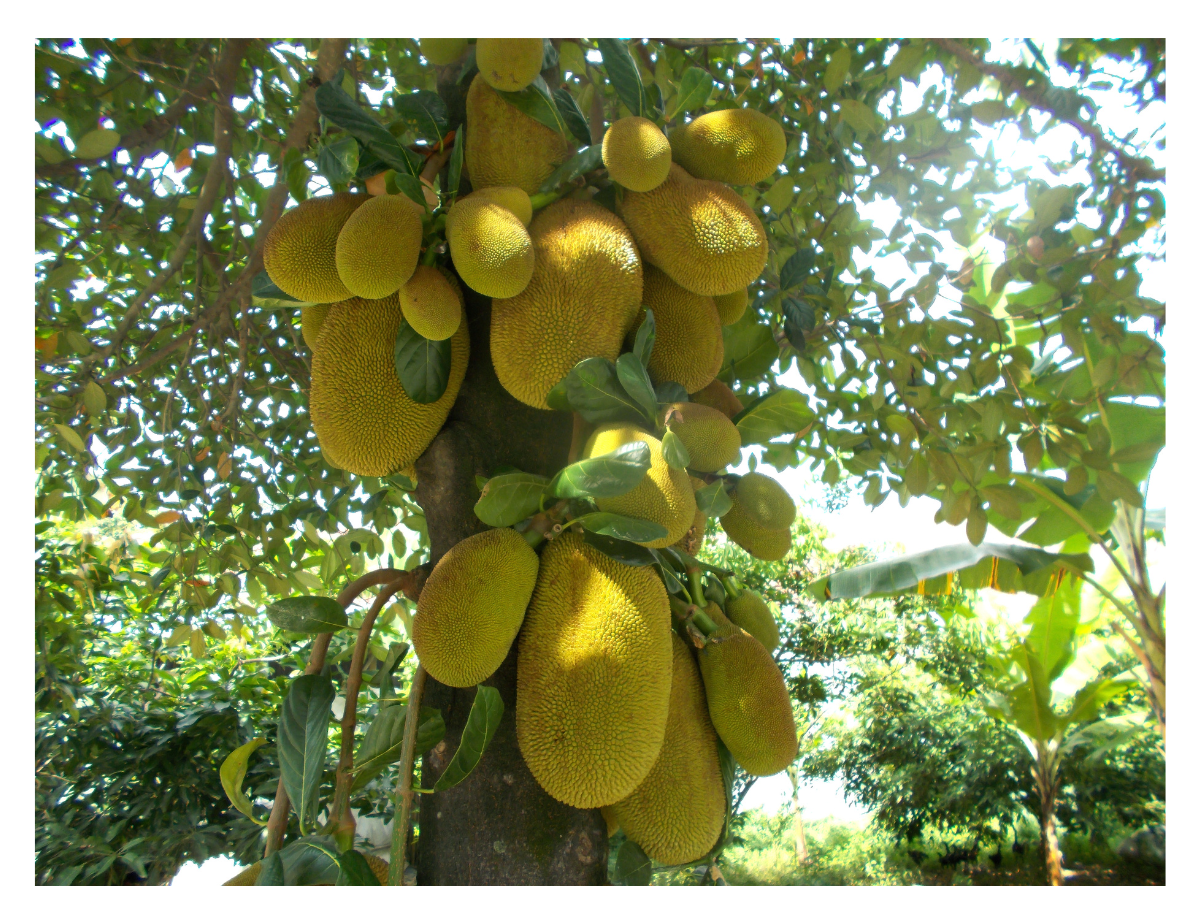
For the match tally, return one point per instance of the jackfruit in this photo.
(738, 146)
(717, 394)
(731, 307)
(442, 51)
(688, 345)
(249, 876)
(491, 249)
(378, 246)
(513, 198)
(585, 291)
(300, 253)
(610, 823)
(472, 606)
(765, 501)
(663, 496)
(636, 153)
(694, 537)
(708, 436)
(365, 422)
(311, 319)
(504, 146)
(509, 64)
(430, 304)
(748, 701)
(677, 812)
(751, 612)
(593, 674)
(763, 544)
(701, 234)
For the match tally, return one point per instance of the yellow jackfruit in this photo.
(688, 344)
(765, 501)
(593, 674)
(701, 234)
(763, 544)
(249, 876)
(491, 249)
(739, 146)
(430, 304)
(610, 823)
(585, 291)
(677, 813)
(748, 701)
(365, 422)
(513, 198)
(504, 146)
(636, 153)
(711, 440)
(509, 64)
(378, 246)
(717, 394)
(731, 307)
(442, 51)
(663, 496)
(300, 253)
(472, 606)
(751, 612)
(311, 319)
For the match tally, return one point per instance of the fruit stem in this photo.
(733, 588)
(541, 200)
(696, 586)
(404, 788)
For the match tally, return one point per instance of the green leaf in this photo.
(838, 69)
(407, 184)
(907, 58)
(338, 160)
(271, 873)
(671, 393)
(1029, 702)
(713, 500)
(901, 426)
(643, 342)
(537, 103)
(482, 722)
(584, 162)
(94, 399)
(594, 390)
(303, 733)
(609, 475)
(797, 268)
(309, 861)
(860, 116)
(674, 452)
(74, 440)
(695, 87)
(308, 615)
(423, 366)
(454, 177)
(989, 111)
(509, 498)
(785, 411)
(339, 108)
(572, 115)
(617, 526)
(99, 142)
(1085, 707)
(624, 75)
(750, 350)
(233, 771)
(424, 112)
(1136, 425)
(354, 870)
(381, 745)
(628, 553)
(636, 382)
(633, 866)
(1115, 486)
(266, 294)
(1053, 621)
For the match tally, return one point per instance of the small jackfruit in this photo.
(751, 612)
(700, 233)
(585, 291)
(300, 253)
(738, 146)
(504, 146)
(748, 701)
(378, 246)
(249, 876)
(663, 496)
(688, 344)
(509, 64)
(363, 418)
(717, 394)
(732, 306)
(593, 674)
(765, 501)
(442, 51)
(431, 305)
(513, 198)
(763, 544)
(472, 606)
(311, 319)
(636, 153)
(677, 812)
(491, 249)
(711, 440)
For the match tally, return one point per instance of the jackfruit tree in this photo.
(491, 326)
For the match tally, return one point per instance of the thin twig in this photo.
(404, 791)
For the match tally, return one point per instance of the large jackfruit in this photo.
(688, 344)
(677, 813)
(701, 234)
(472, 606)
(748, 701)
(378, 246)
(636, 153)
(593, 675)
(442, 51)
(513, 198)
(431, 304)
(751, 612)
(585, 291)
(663, 496)
(365, 422)
(739, 146)
(731, 307)
(711, 440)
(249, 876)
(311, 319)
(761, 517)
(509, 64)
(504, 146)
(716, 394)
(491, 249)
(300, 253)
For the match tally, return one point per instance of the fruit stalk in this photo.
(404, 790)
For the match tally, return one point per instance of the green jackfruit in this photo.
(738, 146)
(711, 440)
(300, 253)
(748, 701)
(431, 305)
(717, 394)
(593, 675)
(663, 496)
(610, 822)
(365, 422)
(491, 249)
(636, 153)
(731, 307)
(688, 344)
(752, 613)
(585, 291)
(504, 146)
(472, 606)
(311, 319)
(509, 64)
(378, 246)
(442, 51)
(249, 876)
(677, 812)
(513, 198)
(761, 517)
(701, 234)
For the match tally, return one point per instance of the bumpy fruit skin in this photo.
(701, 234)
(378, 246)
(710, 439)
(731, 307)
(636, 153)
(748, 701)
(677, 813)
(610, 823)
(442, 51)
(431, 305)
(249, 876)
(472, 606)
(300, 251)
(504, 146)
(585, 290)
(509, 64)
(688, 345)
(491, 249)
(738, 146)
(763, 544)
(751, 612)
(513, 198)
(365, 422)
(716, 394)
(765, 501)
(663, 496)
(311, 319)
(593, 675)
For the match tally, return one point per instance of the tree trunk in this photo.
(497, 827)
(1047, 786)
(801, 842)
